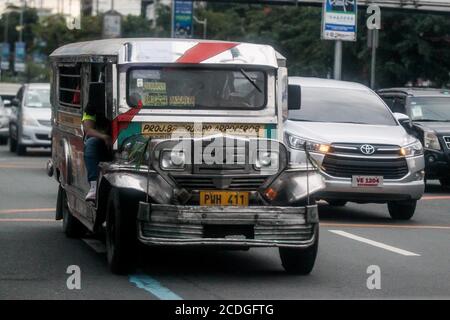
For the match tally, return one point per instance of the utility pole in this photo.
(202, 22)
(21, 21)
(338, 60)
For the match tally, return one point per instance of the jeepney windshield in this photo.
(194, 88)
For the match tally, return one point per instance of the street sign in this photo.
(19, 57)
(112, 24)
(5, 56)
(182, 17)
(339, 20)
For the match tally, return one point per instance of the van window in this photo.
(69, 86)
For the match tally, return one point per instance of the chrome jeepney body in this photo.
(183, 204)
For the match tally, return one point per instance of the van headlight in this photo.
(29, 121)
(431, 141)
(413, 149)
(172, 160)
(300, 143)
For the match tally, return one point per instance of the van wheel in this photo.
(3, 141)
(72, 227)
(445, 183)
(402, 210)
(21, 150)
(337, 203)
(300, 261)
(12, 145)
(121, 235)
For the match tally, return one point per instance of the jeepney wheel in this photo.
(298, 260)
(121, 238)
(72, 227)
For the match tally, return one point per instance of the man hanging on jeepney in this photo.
(97, 139)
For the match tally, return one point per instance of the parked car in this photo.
(30, 121)
(364, 153)
(427, 117)
(4, 120)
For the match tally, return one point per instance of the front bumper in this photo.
(257, 226)
(410, 187)
(36, 136)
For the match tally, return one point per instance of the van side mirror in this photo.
(294, 97)
(15, 102)
(403, 119)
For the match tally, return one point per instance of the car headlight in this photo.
(28, 120)
(173, 160)
(266, 160)
(299, 143)
(413, 149)
(431, 141)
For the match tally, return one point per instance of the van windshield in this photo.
(342, 106)
(190, 88)
(38, 98)
(430, 109)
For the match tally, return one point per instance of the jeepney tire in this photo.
(121, 235)
(21, 150)
(12, 144)
(402, 210)
(72, 227)
(3, 141)
(300, 261)
(337, 203)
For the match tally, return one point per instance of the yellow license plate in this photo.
(166, 129)
(223, 198)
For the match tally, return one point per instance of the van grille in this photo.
(447, 141)
(347, 167)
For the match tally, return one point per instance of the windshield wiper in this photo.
(253, 82)
(431, 120)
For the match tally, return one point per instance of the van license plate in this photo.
(223, 198)
(367, 181)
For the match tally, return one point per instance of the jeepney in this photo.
(199, 157)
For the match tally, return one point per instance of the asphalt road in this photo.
(413, 257)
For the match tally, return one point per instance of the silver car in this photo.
(363, 152)
(4, 120)
(30, 121)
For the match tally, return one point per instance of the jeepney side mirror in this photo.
(294, 97)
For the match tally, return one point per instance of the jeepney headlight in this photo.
(172, 160)
(300, 143)
(430, 141)
(413, 149)
(266, 160)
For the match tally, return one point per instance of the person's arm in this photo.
(90, 131)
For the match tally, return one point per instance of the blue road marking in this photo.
(143, 281)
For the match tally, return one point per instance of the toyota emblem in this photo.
(367, 149)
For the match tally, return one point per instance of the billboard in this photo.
(339, 20)
(5, 56)
(19, 57)
(182, 25)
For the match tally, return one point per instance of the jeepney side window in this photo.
(69, 94)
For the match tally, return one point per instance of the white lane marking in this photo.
(374, 243)
(97, 245)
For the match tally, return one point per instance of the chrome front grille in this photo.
(220, 182)
(447, 141)
(354, 149)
